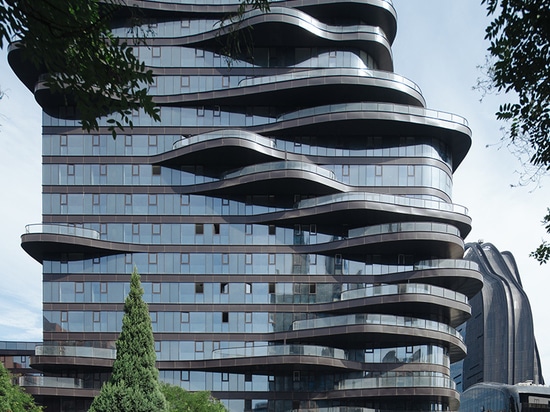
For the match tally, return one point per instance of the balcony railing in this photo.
(75, 351)
(403, 289)
(60, 229)
(381, 198)
(374, 107)
(224, 134)
(376, 319)
(279, 350)
(281, 166)
(403, 227)
(308, 74)
(416, 380)
(51, 382)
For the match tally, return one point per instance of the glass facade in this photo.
(291, 217)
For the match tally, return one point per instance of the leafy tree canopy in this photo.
(13, 398)
(180, 400)
(94, 71)
(71, 42)
(519, 49)
(134, 385)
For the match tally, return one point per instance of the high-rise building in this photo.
(500, 333)
(291, 217)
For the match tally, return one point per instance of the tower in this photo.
(291, 217)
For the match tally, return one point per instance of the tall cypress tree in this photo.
(134, 385)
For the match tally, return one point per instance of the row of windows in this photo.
(208, 116)
(173, 322)
(354, 175)
(171, 117)
(302, 57)
(198, 292)
(220, 322)
(211, 234)
(163, 204)
(262, 56)
(298, 381)
(213, 263)
(143, 145)
(153, 204)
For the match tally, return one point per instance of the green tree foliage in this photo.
(71, 41)
(134, 385)
(13, 398)
(180, 400)
(519, 49)
(239, 42)
(93, 70)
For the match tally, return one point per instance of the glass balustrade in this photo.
(403, 289)
(403, 227)
(59, 229)
(375, 319)
(280, 166)
(224, 134)
(374, 107)
(381, 198)
(76, 351)
(280, 350)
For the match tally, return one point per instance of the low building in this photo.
(490, 396)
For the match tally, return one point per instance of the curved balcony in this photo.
(57, 386)
(411, 238)
(383, 119)
(277, 359)
(379, 12)
(65, 242)
(295, 28)
(332, 212)
(358, 329)
(324, 86)
(225, 150)
(408, 298)
(54, 359)
(277, 178)
(429, 385)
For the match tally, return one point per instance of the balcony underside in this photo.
(359, 336)
(266, 365)
(291, 94)
(353, 336)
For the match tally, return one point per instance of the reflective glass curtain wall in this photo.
(291, 217)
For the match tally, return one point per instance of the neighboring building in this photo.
(500, 334)
(523, 397)
(291, 217)
(15, 356)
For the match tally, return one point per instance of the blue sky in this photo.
(439, 46)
